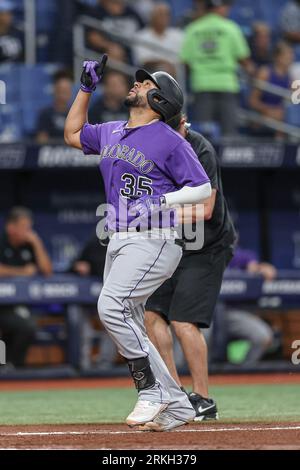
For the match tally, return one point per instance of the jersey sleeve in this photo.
(184, 168)
(90, 138)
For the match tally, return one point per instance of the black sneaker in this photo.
(206, 408)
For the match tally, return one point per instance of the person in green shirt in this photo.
(213, 49)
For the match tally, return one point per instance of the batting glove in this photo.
(92, 74)
(149, 204)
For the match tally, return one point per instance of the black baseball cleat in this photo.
(206, 408)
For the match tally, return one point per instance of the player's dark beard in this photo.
(133, 102)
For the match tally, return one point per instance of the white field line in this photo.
(106, 432)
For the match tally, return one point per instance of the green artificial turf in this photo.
(236, 404)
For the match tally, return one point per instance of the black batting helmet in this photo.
(167, 99)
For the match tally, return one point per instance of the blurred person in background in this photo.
(22, 253)
(243, 324)
(91, 260)
(51, 120)
(247, 260)
(197, 11)
(110, 106)
(11, 42)
(290, 22)
(213, 49)
(261, 44)
(144, 8)
(162, 36)
(290, 27)
(116, 17)
(266, 103)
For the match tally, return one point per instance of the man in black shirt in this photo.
(51, 121)
(188, 299)
(22, 253)
(91, 260)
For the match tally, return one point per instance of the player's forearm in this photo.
(189, 195)
(248, 66)
(10, 271)
(77, 117)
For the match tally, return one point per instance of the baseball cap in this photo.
(6, 5)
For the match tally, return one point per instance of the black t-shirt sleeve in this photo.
(209, 160)
(211, 168)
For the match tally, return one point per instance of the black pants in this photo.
(17, 330)
(190, 296)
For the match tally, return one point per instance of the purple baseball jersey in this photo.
(151, 159)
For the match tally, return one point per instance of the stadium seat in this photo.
(293, 115)
(245, 12)
(10, 75)
(46, 15)
(271, 12)
(10, 113)
(211, 130)
(24, 98)
(285, 240)
(10, 124)
(178, 8)
(35, 98)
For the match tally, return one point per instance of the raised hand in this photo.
(92, 74)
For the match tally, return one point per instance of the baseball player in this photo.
(187, 300)
(148, 167)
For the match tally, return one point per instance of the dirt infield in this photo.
(85, 383)
(192, 437)
(275, 435)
